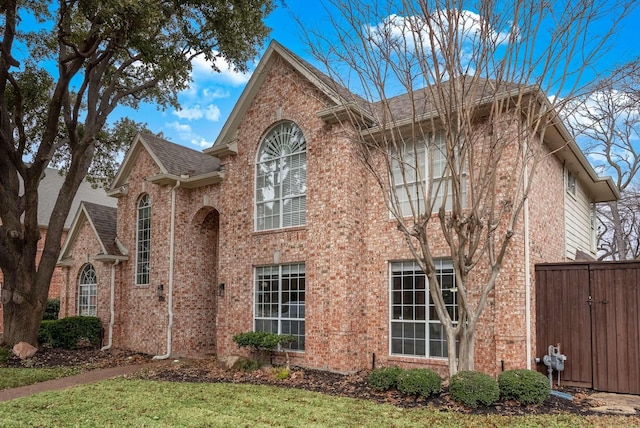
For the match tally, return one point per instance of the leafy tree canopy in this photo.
(64, 67)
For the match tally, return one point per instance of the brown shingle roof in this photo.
(179, 160)
(104, 220)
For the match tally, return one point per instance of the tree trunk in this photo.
(466, 353)
(22, 310)
(618, 235)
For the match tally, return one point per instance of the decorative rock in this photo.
(616, 410)
(23, 350)
(231, 360)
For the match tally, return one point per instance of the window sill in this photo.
(282, 230)
(438, 361)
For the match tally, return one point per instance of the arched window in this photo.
(281, 178)
(87, 291)
(143, 240)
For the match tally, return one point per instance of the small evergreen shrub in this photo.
(384, 378)
(262, 341)
(4, 354)
(52, 310)
(473, 389)
(524, 386)
(422, 382)
(70, 332)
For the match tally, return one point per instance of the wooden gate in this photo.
(593, 311)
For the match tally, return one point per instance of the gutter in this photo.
(171, 262)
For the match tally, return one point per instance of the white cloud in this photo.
(210, 113)
(202, 71)
(186, 134)
(201, 142)
(193, 113)
(406, 35)
(215, 93)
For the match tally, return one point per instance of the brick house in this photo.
(205, 245)
(48, 190)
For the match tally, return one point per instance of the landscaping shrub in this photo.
(69, 332)
(4, 354)
(422, 382)
(384, 378)
(264, 343)
(524, 386)
(52, 310)
(473, 388)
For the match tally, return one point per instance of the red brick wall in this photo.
(346, 246)
(84, 248)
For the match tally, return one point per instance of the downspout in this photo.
(527, 268)
(112, 311)
(170, 288)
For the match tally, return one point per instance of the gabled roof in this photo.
(337, 94)
(103, 222)
(175, 162)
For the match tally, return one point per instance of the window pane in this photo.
(281, 178)
(413, 315)
(280, 301)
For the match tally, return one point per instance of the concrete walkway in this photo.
(70, 381)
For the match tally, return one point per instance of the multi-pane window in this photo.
(143, 240)
(415, 166)
(280, 300)
(281, 178)
(415, 328)
(87, 291)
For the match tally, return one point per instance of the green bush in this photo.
(384, 378)
(70, 332)
(422, 382)
(473, 388)
(4, 354)
(262, 341)
(524, 386)
(52, 310)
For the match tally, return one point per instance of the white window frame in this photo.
(281, 179)
(571, 183)
(417, 177)
(87, 291)
(143, 240)
(415, 339)
(279, 316)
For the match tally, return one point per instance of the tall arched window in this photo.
(281, 178)
(143, 240)
(87, 291)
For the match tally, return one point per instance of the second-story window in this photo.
(143, 240)
(281, 178)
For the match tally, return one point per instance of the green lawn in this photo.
(137, 403)
(13, 377)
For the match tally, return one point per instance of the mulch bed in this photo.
(353, 385)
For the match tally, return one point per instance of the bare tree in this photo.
(454, 101)
(619, 225)
(606, 121)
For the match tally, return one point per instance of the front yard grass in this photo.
(14, 377)
(133, 403)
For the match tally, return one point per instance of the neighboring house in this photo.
(279, 227)
(48, 190)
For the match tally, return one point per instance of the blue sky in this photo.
(210, 99)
